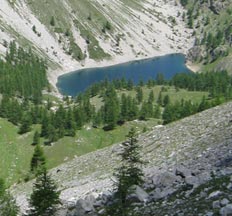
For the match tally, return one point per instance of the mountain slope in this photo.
(72, 34)
(201, 142)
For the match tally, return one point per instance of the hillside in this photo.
(201, 143)
(83, 33)
(211, 25)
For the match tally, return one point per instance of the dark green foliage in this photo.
(139, 94)
(45, 196)
(2, 187)
(128, 174)
(160, 99)
(22, 74)
(52, 21)
(217, 83)
(8, 205)
(184, 2)
(173, 112)
(25, 124)
(36, 138)
(111, 108)
(157, 112)
(38, 160)
(166, 100)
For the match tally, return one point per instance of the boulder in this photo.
(224, 202)
(137, 194)
(216, 204)
(183, 171)
(214, 194)
(165, 179)
(83, 207)
(226, 210)
(192, 181)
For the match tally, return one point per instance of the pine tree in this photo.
(8, 205)
(128, 174)
(111, 108)
(36, 138)
(25, 125)
(52, 21)
(45, 196)
(151, 97)
(2, 187)
(38, 159)
(160, 99)
(139, 94)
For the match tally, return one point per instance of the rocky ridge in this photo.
(188, 153)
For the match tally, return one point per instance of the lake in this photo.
(78, 81)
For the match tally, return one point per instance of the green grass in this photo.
(174, 95)
(91, 139)
(16, 150)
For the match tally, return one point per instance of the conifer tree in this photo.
(8, 205)
(45, 196)
(25, 125)
(128, 174)
(36, 138)
(38, 159)
(139, 94)
(2, 187)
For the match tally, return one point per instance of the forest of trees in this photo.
(22, 74)
(115, 110)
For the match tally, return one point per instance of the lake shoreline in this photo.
(53, 75)
(140, 69)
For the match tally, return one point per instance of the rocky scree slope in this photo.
(77, 33)
(185, 159)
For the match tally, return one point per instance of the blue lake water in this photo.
(78, 81)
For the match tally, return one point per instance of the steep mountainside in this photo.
(72, 34)
(211, 24)
(202, 143)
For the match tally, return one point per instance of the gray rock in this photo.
(226, 210)
(214, 194)
(183, 171)
(137, 194)
(156, 194)
(216, 204)
(229, 186)
(165, 179)
(106, 196)
(83, 207)
(101, 212)
(209, 214)
(204, 177)
(192, 180)
(224, 202)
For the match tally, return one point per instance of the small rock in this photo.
(224, 202)
(101, 212)
(216, 204)
(192, 180)
(229, 187)
(215, 194)
(183, 171)
(138, 194)
(84, 206)
(226, 210)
